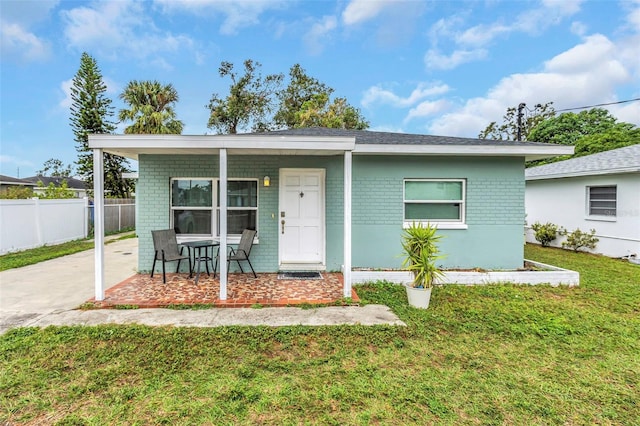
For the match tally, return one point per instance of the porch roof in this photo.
(320, 141)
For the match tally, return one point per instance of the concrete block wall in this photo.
(494, 205)
(153, 192)
(494, 210)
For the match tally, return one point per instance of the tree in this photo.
(91, 112)
(17, 193)
(621, 135)
(55, 167)
(150, 108)
(318, 112)
(590, 131)
(508, 130)
(300, 90)
(55, 192)
(305, 102)
(568, 127)
(250, 100)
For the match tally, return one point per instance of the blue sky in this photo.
(433, 67)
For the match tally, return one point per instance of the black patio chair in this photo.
(241, 253)
(166, 250)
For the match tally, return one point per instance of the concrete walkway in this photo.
(48, 293)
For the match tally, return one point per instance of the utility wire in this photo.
(597, 105)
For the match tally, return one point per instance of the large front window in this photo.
(193, 211)
(434, 200)
(242, 205)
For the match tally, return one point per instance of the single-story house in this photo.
(328, 199)
(598, 191)
(77, 186)
(7, 182)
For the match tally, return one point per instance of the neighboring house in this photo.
(78, 186)
(329, 199)
(7, 182)
(599, 191)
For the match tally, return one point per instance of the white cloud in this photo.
(238, 14)
(379, 95)
(586, 74)
(435, 60)
(358, 11)
(27, 13)
(19, 43)
(8, 159)
(481, 35)
(633, 17)
(115, 28)
(471, 43)
(113, 89)
(578, 28)
(536, 20)
(318, 34)
(17, 38)
(65, 86)
(427, 108)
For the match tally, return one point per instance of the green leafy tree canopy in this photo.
(55, 167)
(249, 102)
(52, 191)
(318, 112)
(567, 128)
(151, 108)
(304, 102)
(508, 129)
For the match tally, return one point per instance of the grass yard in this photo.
(40, 254)
(500, 354)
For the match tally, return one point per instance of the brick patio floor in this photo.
(243, 290)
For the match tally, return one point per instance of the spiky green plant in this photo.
(420, 245)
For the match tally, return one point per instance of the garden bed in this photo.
(531, 273)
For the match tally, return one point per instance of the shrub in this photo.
(578, 239)
(545, 233)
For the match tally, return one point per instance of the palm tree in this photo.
(151, 108)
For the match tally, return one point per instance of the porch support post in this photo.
(223, 224)
(346, 273)
(98, 221)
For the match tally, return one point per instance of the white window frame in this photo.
(441, 223)
(601, 217)
(229, 180)
(215, 209)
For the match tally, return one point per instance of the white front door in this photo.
(301, 219)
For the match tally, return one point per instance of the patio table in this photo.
(197, 247)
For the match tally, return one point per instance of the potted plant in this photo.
(419, 244)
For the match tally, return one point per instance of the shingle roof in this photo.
(8, 180)
(57, 180)
(621, 160)
(386, 138)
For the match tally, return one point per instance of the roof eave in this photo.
(583, 173)
(530, 152)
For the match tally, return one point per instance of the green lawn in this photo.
(40, 254)
(499, 354)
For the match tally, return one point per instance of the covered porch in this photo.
(243, 291)
(218, 159)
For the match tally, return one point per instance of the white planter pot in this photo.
(418, 297)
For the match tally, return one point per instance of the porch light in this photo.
(266, 181)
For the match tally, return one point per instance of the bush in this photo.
(578, 239)
(545, 233)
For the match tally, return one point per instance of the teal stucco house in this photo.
(328, 199)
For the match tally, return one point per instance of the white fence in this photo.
(26, 224)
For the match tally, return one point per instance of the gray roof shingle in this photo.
(621, 160)
(386, 138)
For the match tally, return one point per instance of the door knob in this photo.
(282, 223)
